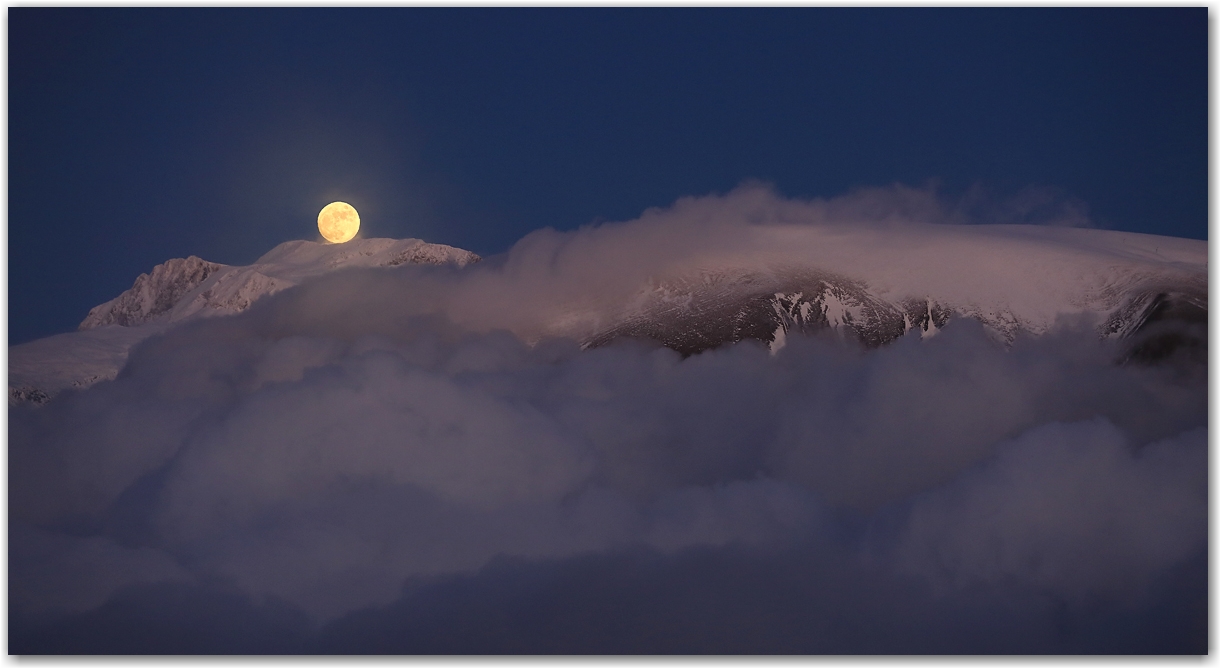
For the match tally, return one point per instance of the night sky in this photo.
(139, 135)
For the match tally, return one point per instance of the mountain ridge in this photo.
(182, 289)
(870, 285)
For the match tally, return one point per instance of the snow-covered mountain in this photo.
(874, 283)
(188, 288)
(867, 283)
(708, 309)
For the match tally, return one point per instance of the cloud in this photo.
(1059, 491)
(67, 574)
(406, 460)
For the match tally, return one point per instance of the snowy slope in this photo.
(188, 288)
(39, 369)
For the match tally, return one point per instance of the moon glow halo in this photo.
(338, 222)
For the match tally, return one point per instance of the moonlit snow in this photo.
(389, 457)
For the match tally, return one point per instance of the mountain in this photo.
(185, 288)
(868, 283)
(874, 284)
(153, 294)
(188, 288)
(700, 312)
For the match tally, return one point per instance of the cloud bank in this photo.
(403, 460)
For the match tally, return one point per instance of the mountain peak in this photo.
(185, 287)
(188, 288)
(153, 293)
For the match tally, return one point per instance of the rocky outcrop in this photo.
(153, 294)
(434, 254)
(702, 312)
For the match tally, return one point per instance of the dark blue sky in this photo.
(138, 135)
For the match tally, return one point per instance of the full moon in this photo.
(338, 222)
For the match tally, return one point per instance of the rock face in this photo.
(710, 310)
(153, 294)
